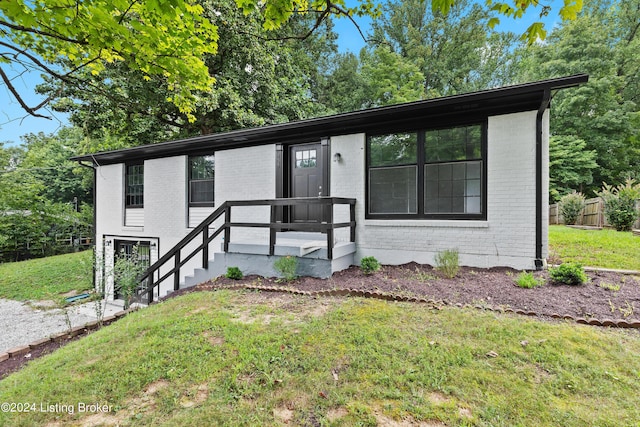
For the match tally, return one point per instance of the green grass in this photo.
(595, 248)
(46, 278)
(230, 359)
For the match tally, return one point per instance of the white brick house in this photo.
(466, 172)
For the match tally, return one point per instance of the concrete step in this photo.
(263, 265)
(300, 235)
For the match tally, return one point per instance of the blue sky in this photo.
(14, 122)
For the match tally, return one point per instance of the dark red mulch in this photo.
(14, 364)
(493, 288)
(486, 287)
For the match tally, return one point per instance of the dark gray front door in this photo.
(306, 179)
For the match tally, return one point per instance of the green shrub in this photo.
(568, 274)
(234, 273)
(570, 207)
(447, 263)
(369, 265)
(127, 270)
(620, 204)
(528, 280)
(287, 267)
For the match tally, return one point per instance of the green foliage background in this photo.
(269, 68)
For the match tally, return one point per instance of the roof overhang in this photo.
(427, 113)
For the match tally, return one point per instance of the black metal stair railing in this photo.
(152, 278)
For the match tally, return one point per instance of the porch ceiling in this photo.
(504, 100)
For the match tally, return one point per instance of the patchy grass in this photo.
(46, 278)
(595, 248)
(230, 358)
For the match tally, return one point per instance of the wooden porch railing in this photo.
(152, 278)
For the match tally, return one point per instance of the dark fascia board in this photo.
(503, 100)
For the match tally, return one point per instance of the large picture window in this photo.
(201, 180)
(438, 173)
(134, 185)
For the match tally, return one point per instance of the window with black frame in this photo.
(437, 173)
(201, 180)
(134, 185)
(393, 173)
(453, 170)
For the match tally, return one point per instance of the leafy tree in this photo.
(165, 39)
(162, 38)
(454, 53)
(571, 166)
(391, 79)
(30, 222)
(47, 160)
(259, 81)
(516, 9)
(604, 112)
(342, 86)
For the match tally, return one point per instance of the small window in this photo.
(306, 158)
(201, 180)
(134, 186)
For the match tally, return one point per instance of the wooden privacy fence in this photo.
(592, 214)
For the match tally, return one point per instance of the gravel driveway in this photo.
(22, 324)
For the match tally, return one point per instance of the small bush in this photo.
(287, 267)
(568, 274)
(620, 204)
(528, 280)
(369, 265)
(447, 262)
(234, 273)
(570, 207)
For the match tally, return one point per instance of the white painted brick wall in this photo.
(247, 174)
(507, 238)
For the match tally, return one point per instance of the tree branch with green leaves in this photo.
(168, 39)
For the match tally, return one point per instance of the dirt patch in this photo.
(264, 307)
(384, 421)
(438, 398)
(136, 405)
(465, 413)
(214, 340)
(283, 414)
(195, 396)
(334, 414)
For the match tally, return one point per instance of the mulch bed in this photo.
(493, 288)
(483, 288)
(13, 364)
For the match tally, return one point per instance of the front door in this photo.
(305, 165)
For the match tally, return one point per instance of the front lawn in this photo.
(46, 278)
(605, 248)
(231, 358)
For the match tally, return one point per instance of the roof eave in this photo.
(522, 96)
